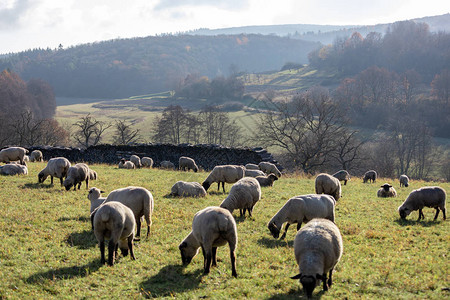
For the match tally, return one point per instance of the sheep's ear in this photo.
(102, 192)
(297, 276)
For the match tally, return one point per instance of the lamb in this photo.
(302, 209)
(165, 164)
(36, 155)
(187, 163)
(136, 160)
(76, 175)
(126, 164)
(428, 196)
(188, 189)
(327, 184)
(56, 167)
(251, 167)
(254, 173)
(140, 200)
(243, 195)
(116, 222)
(404, 180)
(95, 196)
(342, 175)
(318, 248)
(222, 174)
(147, 162)
(370, 175)
(266, 180)
(268, 168)
(13, 154)
(13, 169)
(212, 227)
(92, 175)
(386, 191)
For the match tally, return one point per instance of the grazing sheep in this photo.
(26, 159)
(342, 175)
(126, 164)
(268, 168)
(36, 155)
(428, 196)
(13, 154)
(243, 195)
(386, 191)
(56, 167)
(212, 227)
(92, 175)
(136, 160)
(188, 189)
(404, 181)
(266, 180)
(222, 174)
(165, 164)
(14, 169)
(187, 163)
(318, 248)
(76, 175)
(301, 209)
(114, 221)
(254, 173)
(140, 200)
(95, 196)
(370, 175)
(251, 167)
(327, 184)
(147, 162)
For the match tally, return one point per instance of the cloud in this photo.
(231, 5)
(12, 12)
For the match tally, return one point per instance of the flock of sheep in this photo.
(318, 245)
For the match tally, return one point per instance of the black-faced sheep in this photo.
(76, 175)
(342, 175)
(327, 184)
(188, 189)
(429, 196)
(13, 154)
(187, 163)
(222, 174)
(13, 169)
(386, 191)
(147, 162)
(266, 180)
(56, 167)
(404, 181)
(243, 196)
(268, 168)
(370, 175)
(36, 155)
(165, 164)
(126, 164)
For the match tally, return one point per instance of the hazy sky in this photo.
(26, 24)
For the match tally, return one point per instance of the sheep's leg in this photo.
(437, 213)
(218, 186)
(324, 279)
(87, 183)
(420, 215)
(207, 260)
(130, 246)
(242, 212)
(102, 252)
(116, 250)
(51, 180)
(330, 280)
(285, 231)
(223, 186)
(345, 182)
(138, 225)
(214, 256)
(233, 262)
(111, 252)
(443, 212)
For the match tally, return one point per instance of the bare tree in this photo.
(169, 128)
(218, 128)
(89, 131)
(348, 150)
(125, 134)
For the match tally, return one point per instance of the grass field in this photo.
(49, 251)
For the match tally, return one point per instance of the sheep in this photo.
(165, 164)
(136, 160)
(188, 189)
(318, 248)
(95, 196)
(126, 164)
(186, 164)
(140, 200)
(404, 180)
(76, 175)
(13, 154)
(268, 168)
(254, 173)
(116, 222)
(370, 175)
(342, 175)
(13, 169)
(301, 209)
(36, 155)
(251, 167)
(386, 191)
(56, 167)
(327, 184)
(428, 196)
(92, 175)
(266, 180)
(147, 162)
(222, 174)
(26, 159)
(243, 195)
(212, 227)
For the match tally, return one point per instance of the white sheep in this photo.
(114, 221)
(13, 154)
(165, 164)
(302, 209)
(92, 175)
(254, 173)
(212, 227)
(266, 180)
(370, 175)
(139, 199)
(250, 166)
(386, 191)
(14, 169)
(147, 162)
(268, 168)
(428, 196)
(95, 196)
(36, 155)
(26, 159)
(188, 189)
(318, 248)
(136, 160)
(76, 175)
(327, 184)
(404, 180)
(186, 164)
(56, 167)
(222, 174)
(126, 164)
(243, 196)
(342, 175)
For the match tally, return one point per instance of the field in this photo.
(49, 251)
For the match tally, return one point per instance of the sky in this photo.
(29, 24)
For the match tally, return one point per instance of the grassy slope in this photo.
(49, 251)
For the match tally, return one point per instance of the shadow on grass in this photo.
(295, 294)
(65, 273)
(271, 243)
(81, 219)
(422, 223)
(170, 281)
(38, 185)
(82, 240)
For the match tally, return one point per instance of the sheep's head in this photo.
(68, 184)
(206, 185)
(386, 187)
(123, 246)
(187, 252)
(274, 230)
(195, 169)
(41, 177)
(272, 177)
(309, 282)
(404, 212)
(94, 193)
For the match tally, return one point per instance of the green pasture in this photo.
(48, 250)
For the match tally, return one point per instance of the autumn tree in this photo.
(89, 131)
